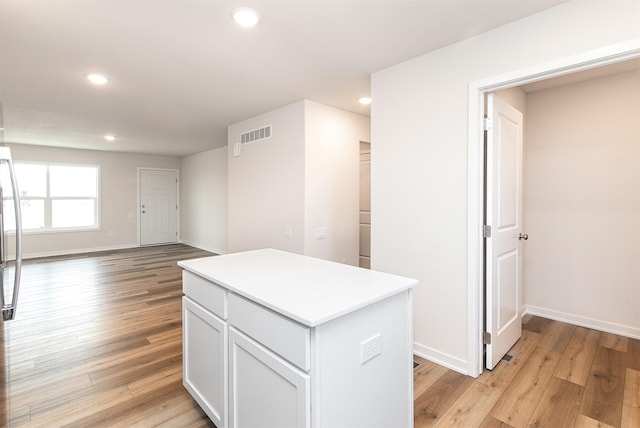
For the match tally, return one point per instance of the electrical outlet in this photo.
(370, 348)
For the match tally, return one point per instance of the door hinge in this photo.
(486, 231)
(486, 338)
(486, 124)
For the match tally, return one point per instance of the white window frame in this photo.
(48, 199)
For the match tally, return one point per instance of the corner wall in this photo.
(203, 200)
(266, 183)
(419, 163)
(302, 180)
(332, 181)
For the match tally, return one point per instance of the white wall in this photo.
(305, 176)
(582, 202)
(419, 156)
(266, 183)
(332, 181)
(118, 205)
(203, 200)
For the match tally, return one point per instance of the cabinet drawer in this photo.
(205, 293)
(282, 335)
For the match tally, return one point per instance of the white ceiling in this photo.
(581, 76)
(181, 70)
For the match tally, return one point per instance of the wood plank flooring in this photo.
(97, 343)
(560, 375)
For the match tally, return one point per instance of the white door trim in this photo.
(475, 157)
(140, 169)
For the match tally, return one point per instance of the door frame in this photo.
(475, 169)
(138, 199)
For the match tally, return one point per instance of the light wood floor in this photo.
(559, 375)
(97, 342)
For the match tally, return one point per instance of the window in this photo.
(55, 197)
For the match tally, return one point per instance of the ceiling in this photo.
(581, 76)
(181, 71)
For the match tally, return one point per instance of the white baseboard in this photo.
(609, 327)
(440, 358)
(76, 251)
(203, 247)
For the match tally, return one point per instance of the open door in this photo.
(503, 232)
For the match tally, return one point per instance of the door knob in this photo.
(523, 236)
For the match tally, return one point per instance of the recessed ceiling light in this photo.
(365, 101)
(110, 137)
(245, 16)
(97, 79)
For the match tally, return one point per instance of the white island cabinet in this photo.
(273, 339)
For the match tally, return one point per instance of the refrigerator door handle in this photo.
(9, 309)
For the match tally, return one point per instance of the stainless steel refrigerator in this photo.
(10, 217)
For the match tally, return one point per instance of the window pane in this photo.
(32, 179)
(73, 181)
(73, 213)
(5, 180)
(9, 216)
(32, 211)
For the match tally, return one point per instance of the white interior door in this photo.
(504, 216)
(365, 205)
(158, 206)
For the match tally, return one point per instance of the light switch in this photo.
(321, 232)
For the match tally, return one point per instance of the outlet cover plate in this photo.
(370, 348)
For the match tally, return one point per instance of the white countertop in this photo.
(308, 290)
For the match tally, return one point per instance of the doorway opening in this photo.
(476, 170)
(365, 205)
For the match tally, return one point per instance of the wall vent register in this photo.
(259, 134)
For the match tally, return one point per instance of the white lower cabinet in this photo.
(205, 360)
(250, 363)
(265, 390)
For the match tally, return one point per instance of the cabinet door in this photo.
(265, 390)
(204, 342)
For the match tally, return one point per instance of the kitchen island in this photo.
(278, 339)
